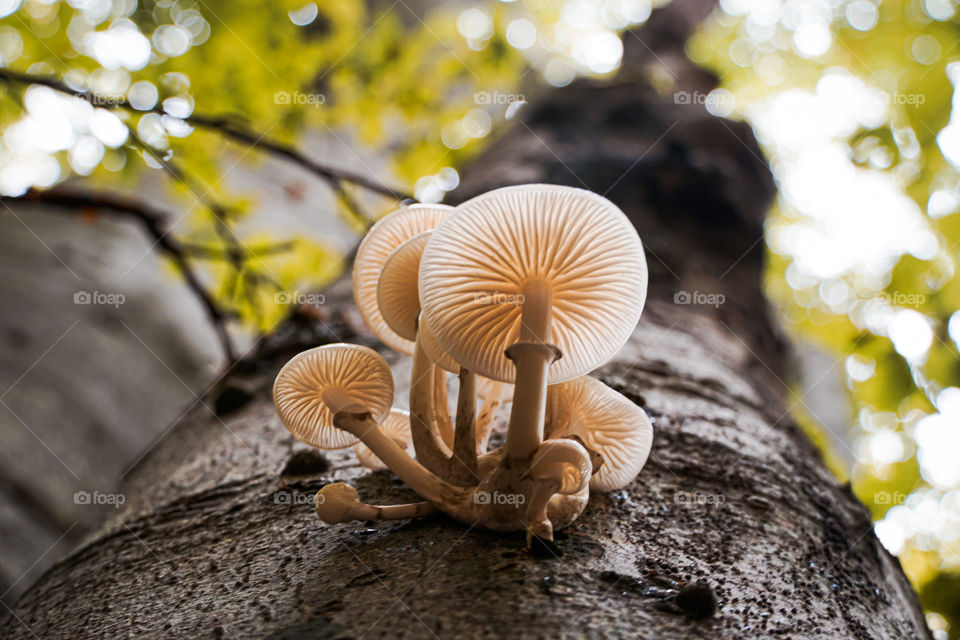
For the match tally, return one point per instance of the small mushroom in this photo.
(340, 502)
(518, 276)
(334, 395)
(316, 384)
(383, 238)
(559, 467)
(606, 422)
(397, 428)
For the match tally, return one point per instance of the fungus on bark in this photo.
(530, 285)
(607, 423)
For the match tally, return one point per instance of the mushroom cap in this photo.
(397, 428)
(434, 351)
(333, 502)
(389, 233)
(397, 295)
(607, 422)
(344, 374)
(474, 271)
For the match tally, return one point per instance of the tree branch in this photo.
(228, 126)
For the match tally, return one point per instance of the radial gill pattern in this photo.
(385, 236)
(606, 422)
(354, 373)
(397, 294)
(434, 351)
(474, 269)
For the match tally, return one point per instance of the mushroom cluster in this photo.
(521, 292)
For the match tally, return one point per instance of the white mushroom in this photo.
(606, 422)
(518, 276)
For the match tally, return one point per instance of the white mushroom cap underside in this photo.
(358, 373)
(474, 268)
(397, 295)
(606, 422)
(385, 236)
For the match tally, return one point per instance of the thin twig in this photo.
(228, 126)
(205, 252)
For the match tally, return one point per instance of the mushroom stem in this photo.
(537, 522)
(364, 511)
(359, 422)
(340, 502)
(465, 439)
(430, 450)
(441, 406)
(532, 355)
(336, 398)
(560, 466)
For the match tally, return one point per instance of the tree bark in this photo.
(734, 528)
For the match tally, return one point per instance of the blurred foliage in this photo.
(419, 84)
(384, 76)
(889, 327)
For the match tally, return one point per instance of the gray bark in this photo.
(734, 529)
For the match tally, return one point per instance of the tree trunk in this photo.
(734, 528)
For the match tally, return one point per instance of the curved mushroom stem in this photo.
(465, 439)
(340, 502)
(430, 450)
(358, 421)
(537, 522)
(560, 466)
(366, 511)
(532, 356)
(441, 406)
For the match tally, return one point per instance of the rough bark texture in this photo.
(733, 505)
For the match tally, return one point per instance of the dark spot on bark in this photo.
(305, 462)
(543, 549)
(17, 338)
(698, 600)
(232, 398)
